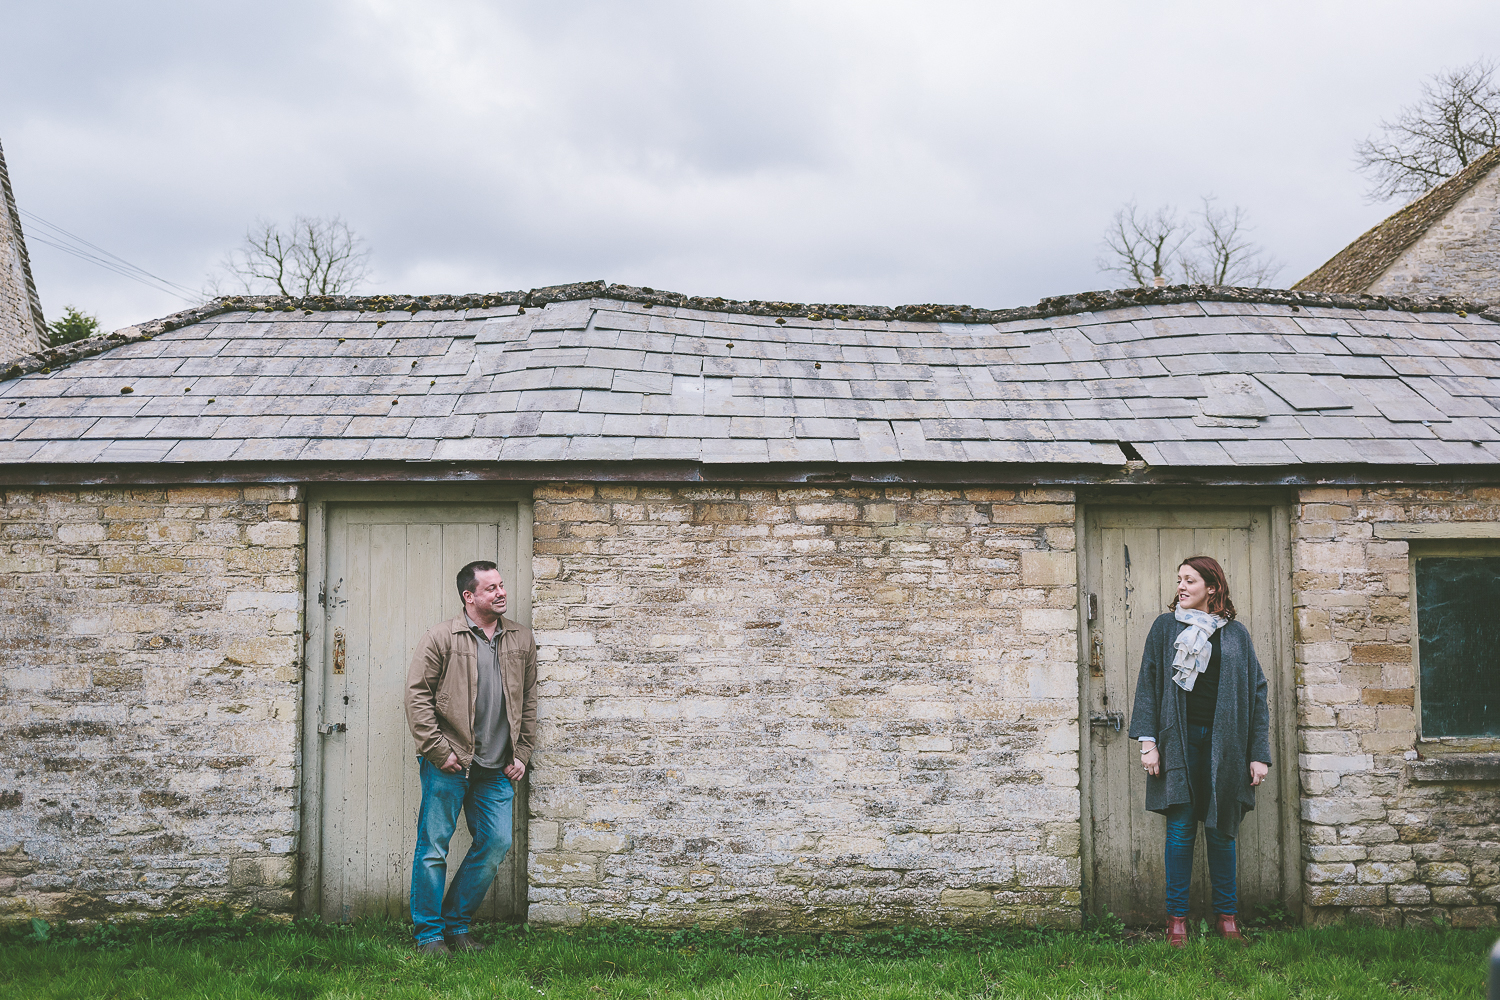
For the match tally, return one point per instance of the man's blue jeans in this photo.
(485, 796)
(1182, 830)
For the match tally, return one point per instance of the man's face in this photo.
(488, 595)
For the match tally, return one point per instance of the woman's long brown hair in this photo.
(1219, 604)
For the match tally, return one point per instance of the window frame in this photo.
(1461, 539)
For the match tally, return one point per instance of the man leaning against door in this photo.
(471, 705)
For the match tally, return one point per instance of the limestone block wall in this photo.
(805, 707)
(149, 698)
(1457, 256)
(1379, 845)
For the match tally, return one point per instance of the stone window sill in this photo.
(1456, 767)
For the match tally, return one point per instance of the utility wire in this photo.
(107, 265)
(60, 239)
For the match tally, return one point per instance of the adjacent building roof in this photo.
(1359, 265)
(1184, 377)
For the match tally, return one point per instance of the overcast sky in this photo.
(856, 152)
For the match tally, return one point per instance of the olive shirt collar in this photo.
(464, 623)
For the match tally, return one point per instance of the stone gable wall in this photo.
(805, 707)
(1458, 256)
(18, 327)
(1379, 845)
(21, 325)
(149, 699)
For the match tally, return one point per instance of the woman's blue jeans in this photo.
(485, 796)
(1182, 830)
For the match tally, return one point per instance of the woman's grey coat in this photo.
(1241, 732)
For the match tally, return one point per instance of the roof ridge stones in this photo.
(46, 360)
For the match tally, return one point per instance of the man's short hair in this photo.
(467, 575)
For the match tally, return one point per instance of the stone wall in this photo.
(805, 707)
(149, 698)
(1379, 845)
(1458, 256)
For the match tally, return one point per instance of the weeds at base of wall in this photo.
(223, 924)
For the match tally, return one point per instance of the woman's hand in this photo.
(1258, 772)
(1151, 761)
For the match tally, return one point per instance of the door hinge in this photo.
(322, 595)
(1114, 720)
(1093, 607)
(327, 728)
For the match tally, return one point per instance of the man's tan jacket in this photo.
(443, 681)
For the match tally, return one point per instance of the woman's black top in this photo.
(1204, 697)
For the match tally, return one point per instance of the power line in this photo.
(107, 265)
(71, 244)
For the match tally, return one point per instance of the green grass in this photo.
(217, 957)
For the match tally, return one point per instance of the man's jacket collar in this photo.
(461, 623)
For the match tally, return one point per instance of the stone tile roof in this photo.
(594, 373)
(1358, 266)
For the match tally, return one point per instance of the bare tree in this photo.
(1223, 253)
(1210, 247)
(1456, 121)
(1143, 246)
(313, 256)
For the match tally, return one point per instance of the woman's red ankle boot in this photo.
(1228, 929)
(1177, 931)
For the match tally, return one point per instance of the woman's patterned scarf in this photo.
(1193, 646)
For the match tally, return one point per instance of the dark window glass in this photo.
(1458, 644)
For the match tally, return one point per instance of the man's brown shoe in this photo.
(433, 948)
(464, 942)
(1177, 931)
(1228, 929)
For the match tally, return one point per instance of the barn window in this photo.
(1457, 638)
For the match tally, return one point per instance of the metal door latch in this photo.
(338, 650)
(1096, 656)
(1114, 720)
(325, 728)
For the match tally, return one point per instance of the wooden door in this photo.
(389, 577)
(1131, 560)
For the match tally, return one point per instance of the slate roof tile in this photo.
(52, 428)
(20, 451)
(184, 427)
(600, 449)
(204, 450)
(668, 448)
(132, 450)
(72, 452)
(800, 450)
(876, 443)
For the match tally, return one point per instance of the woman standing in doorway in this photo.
(1205, 731)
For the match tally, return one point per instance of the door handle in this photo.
(338, 650)
(1114, 720)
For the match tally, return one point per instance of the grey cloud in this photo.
(847, 151)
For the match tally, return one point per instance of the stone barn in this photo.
(839, 608)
